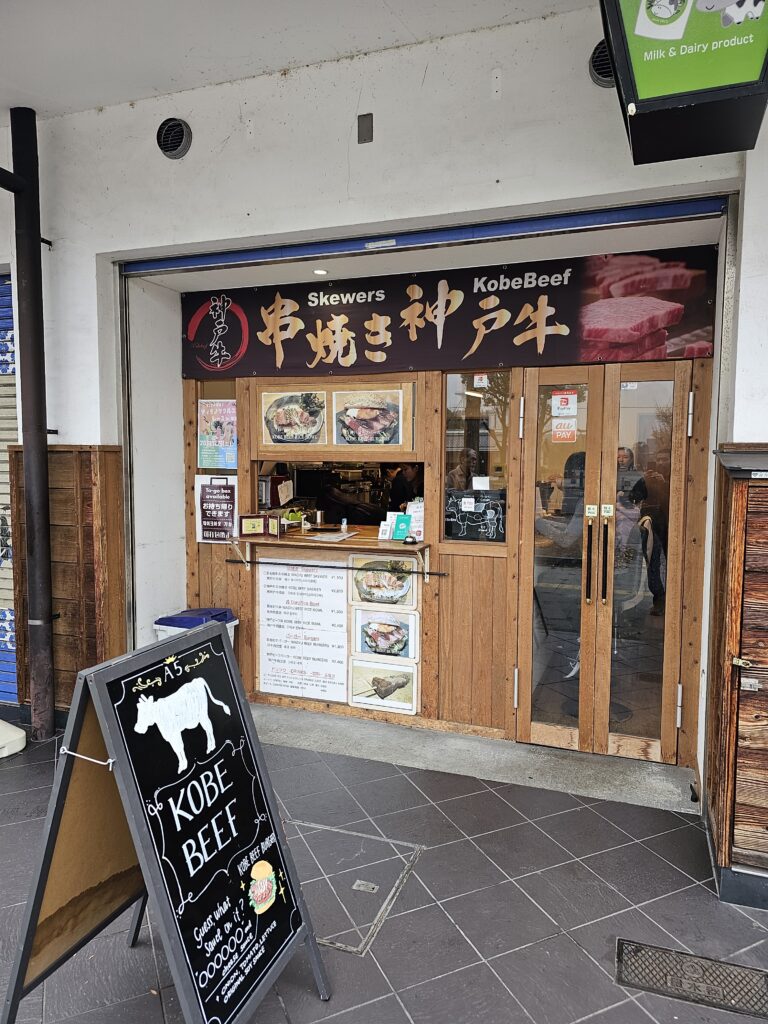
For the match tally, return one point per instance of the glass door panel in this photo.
(558, 558)
(561, 457)
(643, 462)
(644, 455)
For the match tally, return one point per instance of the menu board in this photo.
(188, 764)
(303, 630)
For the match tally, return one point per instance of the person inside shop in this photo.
(566, 529)
(460, 477)
(389, 472)
(336, 504)
(644, 497)
(407, 485)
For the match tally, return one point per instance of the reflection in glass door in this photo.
(563, 423)
(639, 621)
(604, 465)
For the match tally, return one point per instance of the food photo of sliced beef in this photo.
(600, 267)
(368, 418)
(666, 278)
(698, 350)
(612, 352)
(621, 321)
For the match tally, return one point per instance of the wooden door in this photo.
(478, 593)
(602, 554)
(641, 557)
(558, 563)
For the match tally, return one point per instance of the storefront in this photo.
(537, 410)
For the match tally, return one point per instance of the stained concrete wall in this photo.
(499, 122)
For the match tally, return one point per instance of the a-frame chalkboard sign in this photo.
(162, 788)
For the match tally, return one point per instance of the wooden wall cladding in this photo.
(737, 726)
(750, 814)
(473, 640)
(87, 556)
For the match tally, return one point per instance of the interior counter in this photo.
(361, 538)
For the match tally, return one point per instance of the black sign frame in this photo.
(92, 686)
(703, 122)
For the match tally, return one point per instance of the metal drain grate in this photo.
(696, 979)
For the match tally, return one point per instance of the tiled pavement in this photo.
(511, 916)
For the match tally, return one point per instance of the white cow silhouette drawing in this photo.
(185, 709)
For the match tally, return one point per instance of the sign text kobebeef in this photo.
(454, 319)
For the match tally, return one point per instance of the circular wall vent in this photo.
(601, 66)
(174, 137)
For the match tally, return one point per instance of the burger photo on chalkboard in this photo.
(263, 888)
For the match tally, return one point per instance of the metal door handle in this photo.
(604, 567)
(588, 586)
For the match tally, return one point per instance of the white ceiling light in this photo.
(319, 272)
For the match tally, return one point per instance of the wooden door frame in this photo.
(528, 731)
(663, 748)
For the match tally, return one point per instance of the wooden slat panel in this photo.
(758, 500)
(605, 614)
(510, 626)
(525, 568)
(726, 611)
(219, 577)
(445, 704)
(432, 593)
(697, 503)
(642, 749)
(64, 687)
(67, 653)
(675, 553)
(107, 531)
(480, 640)
(462, 628)
(70, 621)
(750, 816)
(502, 666)
(64, 580)
(90, 598)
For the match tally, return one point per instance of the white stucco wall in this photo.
(751, 376)
(493, 123)
(158, 457)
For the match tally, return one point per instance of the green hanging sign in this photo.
(680, 46)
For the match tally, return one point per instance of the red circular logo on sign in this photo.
(197, 319)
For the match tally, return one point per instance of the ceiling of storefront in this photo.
(477, 254)
(61, 57)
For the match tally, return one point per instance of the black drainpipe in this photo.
(25, 184)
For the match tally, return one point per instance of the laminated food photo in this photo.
(367, 417)
(386, 634)
(380, 581)
(386, 687)
(294, 417)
